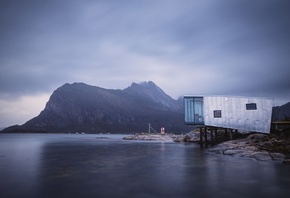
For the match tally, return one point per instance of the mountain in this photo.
(150, 92)
(79, 107)
(281, 112)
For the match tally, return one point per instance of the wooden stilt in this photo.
(211, 136)
(205, 136)
(231, 134)
(200, 137)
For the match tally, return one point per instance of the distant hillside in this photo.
(79, 107)
(282, 112)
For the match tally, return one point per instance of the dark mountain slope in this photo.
(282, 112)
(149, 92)
(79, 107)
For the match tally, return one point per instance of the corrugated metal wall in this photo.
(235, 115)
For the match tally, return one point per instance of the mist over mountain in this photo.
(79, 107)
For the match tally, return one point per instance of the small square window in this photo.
(217, 113)
(251, 106)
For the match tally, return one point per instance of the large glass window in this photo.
(193, 107)
(188, 110)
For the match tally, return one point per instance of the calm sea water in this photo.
(104, 166)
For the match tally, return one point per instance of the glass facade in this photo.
(193, 110)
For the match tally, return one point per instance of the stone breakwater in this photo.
(189, 137)
(155, 137)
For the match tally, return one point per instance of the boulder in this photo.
(261, 155)
(233, 151)
(286, 161)
(277, 156)
(258, 136)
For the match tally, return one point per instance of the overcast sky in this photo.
(198, 47)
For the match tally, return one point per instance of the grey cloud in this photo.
(243, 45)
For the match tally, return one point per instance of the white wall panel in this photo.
(236, 116)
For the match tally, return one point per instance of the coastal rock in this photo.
(155, 137)
(261, 155)
(277, 156)
(286, 161)
(232, 151)
(258, 136)
(193, 136)
(182, 138)
(256, 146)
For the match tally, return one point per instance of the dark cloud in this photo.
(212, 47)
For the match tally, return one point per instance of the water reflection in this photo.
(106, 166)
(19, 165)
(225, 176)
(110, 170)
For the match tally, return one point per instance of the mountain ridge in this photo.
(79, 107)
(281, 112)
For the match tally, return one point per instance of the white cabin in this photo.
(243, 113)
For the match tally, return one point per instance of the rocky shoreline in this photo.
(257, 146)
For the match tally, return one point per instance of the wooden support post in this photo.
(226, 132)
(205, 136)
(215, 131)
(236, 132)
(200, 137)
(211, 136)
(231, 134)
